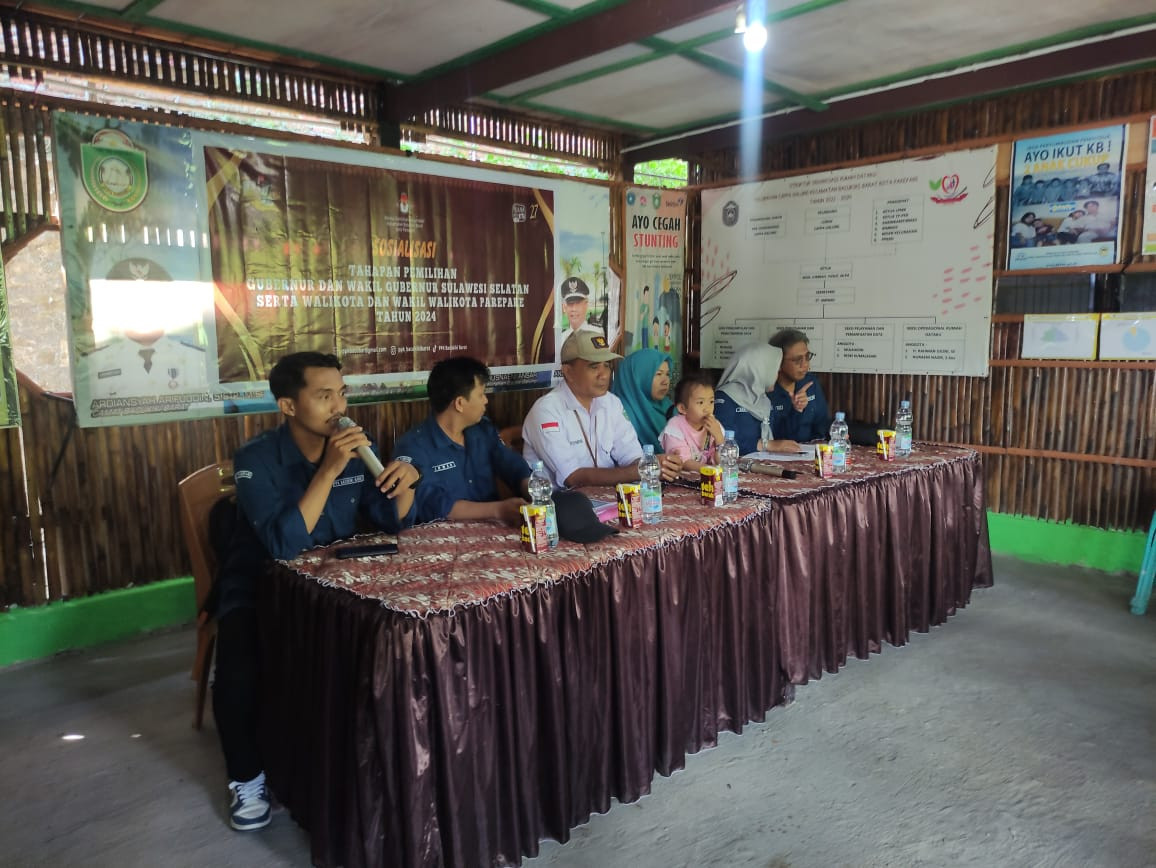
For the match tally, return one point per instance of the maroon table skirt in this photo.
(463, 737)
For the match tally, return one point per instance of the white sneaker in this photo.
(249, 808)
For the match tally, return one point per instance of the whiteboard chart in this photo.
(888, 268)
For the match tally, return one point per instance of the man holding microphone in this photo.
(300, 485)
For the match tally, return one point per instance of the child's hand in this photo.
(714, 426)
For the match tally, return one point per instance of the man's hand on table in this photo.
(670, 465)
(509, 511)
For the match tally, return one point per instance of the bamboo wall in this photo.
(31, 43)
(95, 509)
(1064, 441)
(101, 505)
(27, 194)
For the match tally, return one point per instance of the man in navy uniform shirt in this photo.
(459, 453)
(298, 486)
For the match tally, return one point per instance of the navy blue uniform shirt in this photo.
(452, 472)
(271, 475)
(747, 426)
(814, 423)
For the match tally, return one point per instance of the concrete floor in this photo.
(1021, 733)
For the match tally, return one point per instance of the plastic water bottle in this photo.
(840, 443)
(728, 457)
(651, 476)
(903, 425)
(541, 494)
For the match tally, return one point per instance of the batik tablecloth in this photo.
(454, 704)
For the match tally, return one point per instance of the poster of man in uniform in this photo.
(1065, 199)
(655, 261)
(9, 396)
(194, 260)
(131, 243)
(589, 290)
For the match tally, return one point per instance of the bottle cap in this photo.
(906, 405)
(538, 465)
(729, 435)
(648, 449)
(840, 416)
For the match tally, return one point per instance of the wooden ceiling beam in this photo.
(593, 34)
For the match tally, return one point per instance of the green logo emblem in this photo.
(115, 171)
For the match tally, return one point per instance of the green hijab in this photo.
(632, 383)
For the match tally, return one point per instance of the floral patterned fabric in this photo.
(444, 565)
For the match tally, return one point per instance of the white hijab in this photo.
(752, 370)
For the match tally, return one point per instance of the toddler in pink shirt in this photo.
(693, 434)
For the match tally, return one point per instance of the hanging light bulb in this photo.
(755, 37)
(749, 23)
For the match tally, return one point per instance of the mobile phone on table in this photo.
(366, 551)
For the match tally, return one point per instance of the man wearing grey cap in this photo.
(575, 304)
(580, 430)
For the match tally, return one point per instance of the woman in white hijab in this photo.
(741, 403)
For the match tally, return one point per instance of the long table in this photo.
(456, 703)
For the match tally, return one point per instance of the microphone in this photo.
(748, 465)
(372, 463)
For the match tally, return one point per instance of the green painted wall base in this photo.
(29, 634)
(1050, 542)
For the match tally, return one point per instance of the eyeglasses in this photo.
(797, 360)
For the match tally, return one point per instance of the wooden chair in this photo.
(198, 492)
(512, 436)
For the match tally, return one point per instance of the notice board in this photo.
(887, 267)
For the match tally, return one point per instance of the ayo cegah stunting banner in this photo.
(655, 262)
(1065, 199)
(9, 395)
(195, 260)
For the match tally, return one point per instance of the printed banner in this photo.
(196, 260)
(887, 268)
(1065, 199)
(1149, 247)
(655, 262)
(9, 394)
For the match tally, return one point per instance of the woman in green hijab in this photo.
(642, 383)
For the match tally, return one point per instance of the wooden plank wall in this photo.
(101, 505)
(1061, 441)
(27, 195)
(95, 509)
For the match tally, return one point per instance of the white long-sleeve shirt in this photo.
(562, 433)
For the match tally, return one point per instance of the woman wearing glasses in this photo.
(798, 405)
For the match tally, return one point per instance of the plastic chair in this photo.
(198, 492)
(1147, 573)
